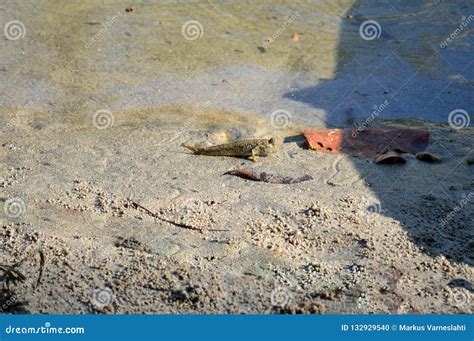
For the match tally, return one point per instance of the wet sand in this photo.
(316, 246)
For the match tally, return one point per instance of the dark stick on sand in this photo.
(182, 225)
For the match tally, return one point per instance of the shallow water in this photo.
(79, 57)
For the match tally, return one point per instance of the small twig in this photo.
(41, 268)
(17, 275)
(182, 225)
(12, 273)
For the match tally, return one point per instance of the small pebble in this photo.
(296, 37)
(428, 157)
(390, 158)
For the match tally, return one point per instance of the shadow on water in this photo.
(403, 63)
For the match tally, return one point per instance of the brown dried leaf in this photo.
(267, 177)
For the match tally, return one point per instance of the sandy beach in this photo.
(103, 211)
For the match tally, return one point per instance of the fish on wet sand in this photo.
(253, 148)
